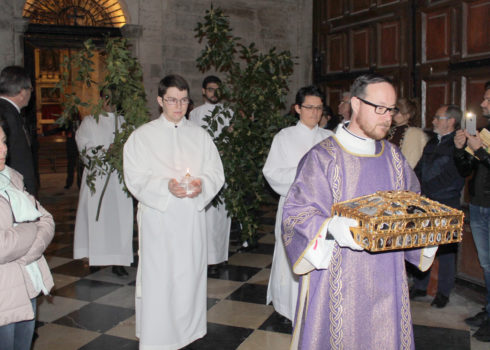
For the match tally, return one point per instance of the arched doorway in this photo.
(57, 28)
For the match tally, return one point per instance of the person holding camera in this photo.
(479, 189)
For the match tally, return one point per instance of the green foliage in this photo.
(124, 79)
(255, 89)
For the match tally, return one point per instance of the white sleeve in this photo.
(276, 170)
(147, 187)
(212, 175)
(84, 135)
(320, 252)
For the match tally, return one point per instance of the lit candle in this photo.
(186, 182)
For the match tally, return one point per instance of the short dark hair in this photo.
(172, 80)
(210, 79)
(487, 85)
(454, 112)
(13, 79)
(310, 90)
(358, 88)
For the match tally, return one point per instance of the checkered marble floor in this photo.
(92, 309)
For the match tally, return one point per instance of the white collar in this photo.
(300, 124)
(170, 124)
(354, 143)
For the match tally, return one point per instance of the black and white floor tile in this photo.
(92, 309)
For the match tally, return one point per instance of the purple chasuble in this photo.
(361, 300)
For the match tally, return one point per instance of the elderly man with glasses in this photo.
(350, 298)
(440, 180)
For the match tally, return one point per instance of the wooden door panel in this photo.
(359, 5)
(335, 8)
(474, 96)
(334, 95)
(360, 49)
(335, 53)
(388, 44)
(437, 94)
(476, 28)
(435, 35)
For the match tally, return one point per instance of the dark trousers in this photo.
(447, 271)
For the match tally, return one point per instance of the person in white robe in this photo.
(108, 240)
(174, 170)
(218, 223)
(287, 149)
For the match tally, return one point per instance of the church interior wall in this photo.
(167, 42)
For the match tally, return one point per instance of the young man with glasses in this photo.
(440, 180)
(218, 223)
(15, 93)
(288, 147)
(174, 170)
(348, 297)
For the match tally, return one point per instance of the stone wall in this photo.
(11, 28)
(163, 37)
(168, 43)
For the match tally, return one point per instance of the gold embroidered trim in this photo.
(337, 179)
(398, 166)
(406, 317)
(292, 221)
(335, 300)
(379, 154)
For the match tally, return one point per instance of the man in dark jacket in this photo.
(15, 93)
(479, 188)
(440, 181)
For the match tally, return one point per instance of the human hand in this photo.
(459, 139)
(338, 227)
(196, 186)
(474, 142)
(177, 190)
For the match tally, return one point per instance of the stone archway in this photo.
(53, 30)
(90, 13)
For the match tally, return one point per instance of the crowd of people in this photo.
(321, 280)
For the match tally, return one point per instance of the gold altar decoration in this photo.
(390, 220)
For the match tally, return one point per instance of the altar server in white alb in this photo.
(218, 223)
(108, 240)
(172, 273)
(287, 149)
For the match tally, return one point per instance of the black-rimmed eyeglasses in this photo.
(378, 109)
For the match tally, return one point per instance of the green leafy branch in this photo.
(124, 79)
(255, 89)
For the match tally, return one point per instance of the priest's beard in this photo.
(377, 131)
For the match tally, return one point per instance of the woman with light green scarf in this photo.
(26, 229)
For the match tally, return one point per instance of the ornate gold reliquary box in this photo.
(391, 220)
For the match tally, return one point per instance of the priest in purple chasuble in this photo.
(350, 298)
